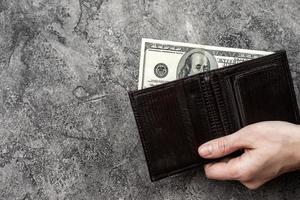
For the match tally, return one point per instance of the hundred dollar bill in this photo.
(163, 61)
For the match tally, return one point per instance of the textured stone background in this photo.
(66, 126)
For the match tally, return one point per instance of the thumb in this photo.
(223, 146)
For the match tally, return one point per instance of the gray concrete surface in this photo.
(66, 126)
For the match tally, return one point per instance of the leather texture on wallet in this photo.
(175, 118)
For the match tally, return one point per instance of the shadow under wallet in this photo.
(175, 118)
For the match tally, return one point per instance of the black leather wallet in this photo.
(175, 118)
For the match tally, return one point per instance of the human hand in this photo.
(270, 149)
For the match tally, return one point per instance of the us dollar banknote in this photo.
(163, 61)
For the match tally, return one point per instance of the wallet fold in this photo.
(175, 118)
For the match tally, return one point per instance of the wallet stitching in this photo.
(211, 102)
(203, 90)
(223, 107)
(216, 111)
(219, 103)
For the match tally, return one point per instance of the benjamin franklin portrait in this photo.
(195, 61)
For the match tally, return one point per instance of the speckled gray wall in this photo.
(66, 127)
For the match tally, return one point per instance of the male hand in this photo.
(270, 149)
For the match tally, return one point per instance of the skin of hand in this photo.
(271, 148)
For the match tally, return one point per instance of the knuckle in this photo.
(253, 128)
(254, 132)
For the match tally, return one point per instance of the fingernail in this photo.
(205, 150)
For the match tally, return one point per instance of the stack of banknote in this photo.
(163, 61)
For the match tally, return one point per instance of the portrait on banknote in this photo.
(195, 61)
